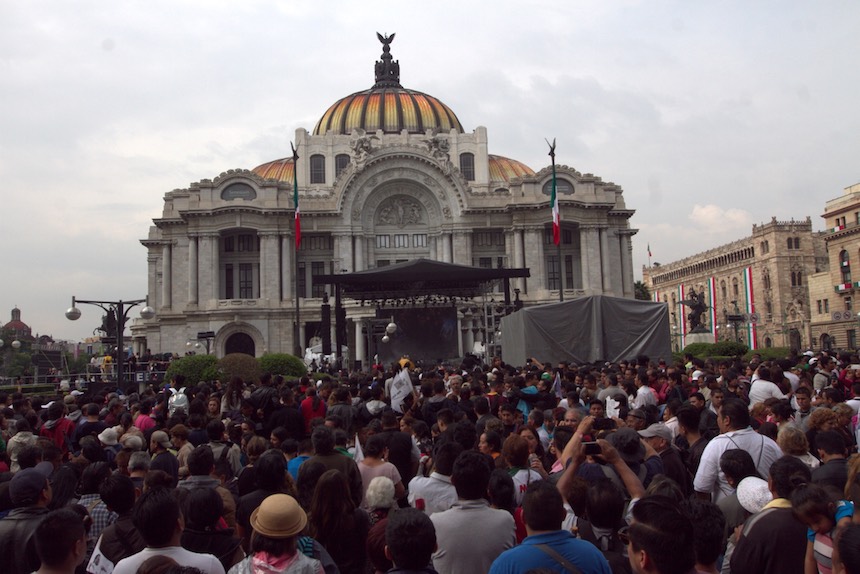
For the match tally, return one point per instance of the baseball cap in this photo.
(697, 374)
(27, 484)
(160, 437)
(657, 429)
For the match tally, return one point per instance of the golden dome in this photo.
(279, 169)
(390, 109)
(505, 169)
(387, 106)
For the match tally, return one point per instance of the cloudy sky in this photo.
(712, 116)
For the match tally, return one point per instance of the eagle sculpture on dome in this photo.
(386, 40)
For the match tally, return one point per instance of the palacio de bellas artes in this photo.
(389, 179)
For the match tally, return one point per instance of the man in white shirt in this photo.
(734, 422)
(644, 395)
(157, 517)
(435, 493)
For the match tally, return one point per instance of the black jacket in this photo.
(17, 547)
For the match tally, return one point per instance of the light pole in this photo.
(204, 336)
(118, 311)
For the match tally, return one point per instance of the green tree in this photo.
(641, 291)
(196, 368)
(283, 364)
(239, 365)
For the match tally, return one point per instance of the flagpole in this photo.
(297, 238)
(556, 222)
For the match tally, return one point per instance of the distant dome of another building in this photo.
(505, 169)
(387, 106)
(279, 169)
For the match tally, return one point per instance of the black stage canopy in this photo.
(418, 279)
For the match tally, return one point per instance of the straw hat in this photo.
(279, 516)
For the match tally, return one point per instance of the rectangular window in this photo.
(819, 306)
(383, 262)
(467, 166)
(419, 240)
(317, 169)
(401, 240)
(547, 236)
(848, 303)
(401, 261)
(501, 262)
(552, 273)
(246, 242)
(317, 243)
(566, 236)
(846, 275)
(383, 241)
(827, 305)
(852, 339)
(568, 272)
(246, 281)
(301, 280)
(229, 244)
(317, 268)
(485, 262)
(228, 281)
(341, 161)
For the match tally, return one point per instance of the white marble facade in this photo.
(222, 258)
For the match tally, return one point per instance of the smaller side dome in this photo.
(279, 169)
(506, 169)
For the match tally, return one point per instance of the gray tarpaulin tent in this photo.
(587, 329)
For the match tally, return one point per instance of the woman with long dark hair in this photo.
(337, 524)
(202, 510)
(312, 407)
(231, 402)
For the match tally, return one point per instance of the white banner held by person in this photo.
(401, 387)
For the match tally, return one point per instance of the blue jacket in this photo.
(527, 556)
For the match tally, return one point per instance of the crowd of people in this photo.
(636, 466)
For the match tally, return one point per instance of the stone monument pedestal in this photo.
(699, 337)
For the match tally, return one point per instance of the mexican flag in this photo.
(296, 204)
(556, 218)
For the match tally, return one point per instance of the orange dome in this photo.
(505, 169)
(279, 169)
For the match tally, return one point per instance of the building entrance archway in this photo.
(240, 343)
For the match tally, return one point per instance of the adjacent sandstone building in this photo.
(756, 288)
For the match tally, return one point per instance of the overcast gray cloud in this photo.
(711, 116)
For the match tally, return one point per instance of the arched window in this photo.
(467, 166)
(797, 242)
(317, 168)
(790, 243)
(341, 161)
(562, 187)
(735, 288)
(723, 289)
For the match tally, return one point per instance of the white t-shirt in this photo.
(205, 562)
(522, 479)
(709, 477)
(762, 390)
(644, 396)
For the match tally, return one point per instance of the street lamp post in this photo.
(204, 336)
(119, 310)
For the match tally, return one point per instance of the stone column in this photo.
(192, 270)
(360, 264)
(152, 278)
(342, 253)
(434, 247)
(287, 267)
(360, 347)
(446, 247)
(468, 335)
(208, 272)
(269, 271)
(626, 263)
(592, 279)
(533, 253)
(519, 260)
(166, 276)
(605, 264)
(462, 248)
(215, 287)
